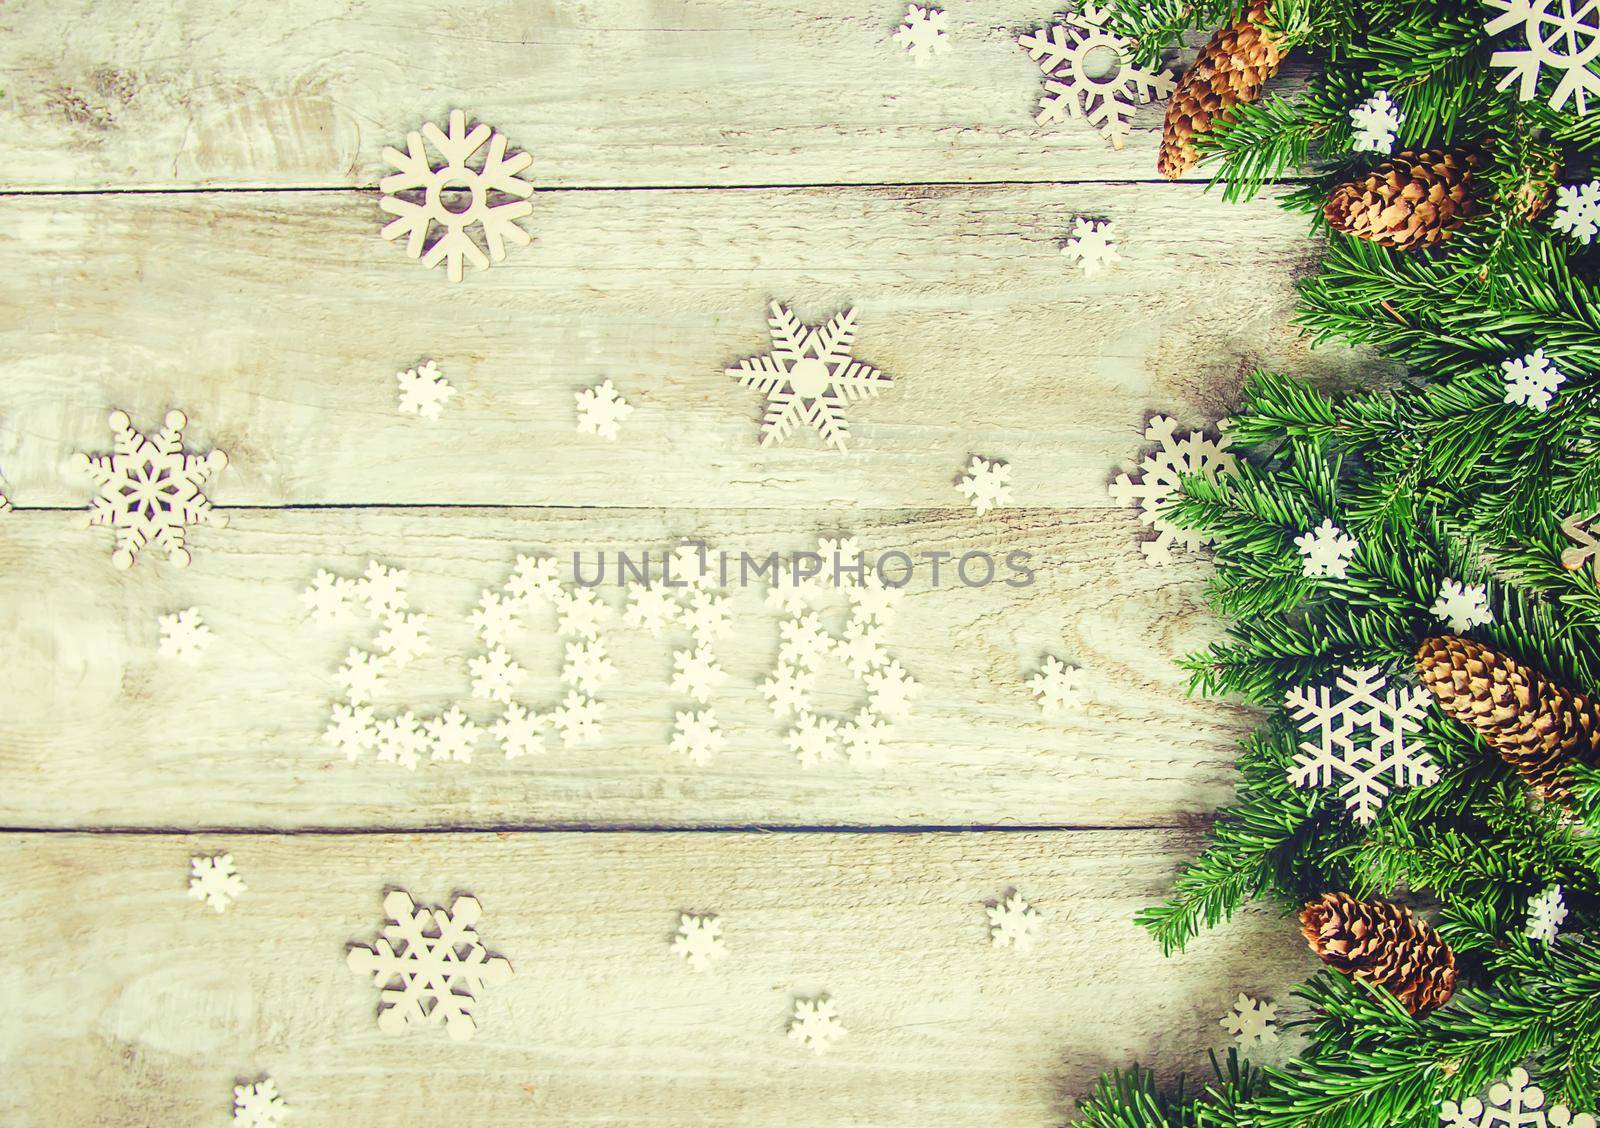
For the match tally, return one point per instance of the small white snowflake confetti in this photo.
(1546, 913)
(788, 690)
(986, 485)
(695, 673)
(891, 690)
(519, 732)
(1462, 606)
(330, 599)
(1056, 687)
(1563, 35)
(494, 675)
(1376, 121)
(874, 600)
(351, 730)
(1074, 86)
(1326, 551)
(863, 739)
(577, 719)
(423, 391)
(535, 581)
(805, 641)
(816, 1024)
(149, 489)
(401, 638)
(861, 646)
(650, 609)
(1013, 923)
(1162, 473)
(184, 635)
(215, 881)
(1251, 1020)
(1577, 211)
(808, 377)
(601, 411)
(706, 616)
(1092, 246)
(587, 666)
(793, 596)
(430, 966)
(362, 675)
(383, 589)
(495, 619)
(923, 33)
(1512, 1103)
(452, 736)
(581, 614)
(258, 1105)
(815, 740)
(1532, 380)
(699, 939)
(400, 739)
(697, 736)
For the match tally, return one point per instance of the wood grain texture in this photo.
(128, 1003)
(277, 322)
(100, 731)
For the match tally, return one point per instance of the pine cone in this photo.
(1231, 69)
(1537, 725)
(1382, 943)
(1410, 201)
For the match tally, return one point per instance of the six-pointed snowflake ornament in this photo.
(1580, 528)
(1546, 913)
(258, 1105)
(215, 881)
(150, 489)
(699, 939)
(1513, 1103)
(696, 735)
(809, 377)
(430, 965)
(1326, 551)
(1462, 606)
(423, 391)
(1578, 211)
(923, 33)
(601, 411)
(1092, 246)
(351, 730)
(519, 732)
(1056, 687)
(814, 740)
(986, 484)
(696, 674)
(816, 1024)
(184, 635)
(1376, 121)
(1251, 1020)
(1563, 35)
(577, 719)
(1161, 474)
(1013, 923)
(461, 192)
(1366, 732)
(330, 599)
(1090, 74)
(1532, 380)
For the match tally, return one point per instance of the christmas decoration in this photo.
(1092, 246)
(1162, 472)
(1578, 211)
(987, 485)
(695, 673)
(1579, 528)
(1531, 380)
(601, 411)
(816, 1024)
(1013, 923)
(1375, 122)
(452, 736)
(1411, 201)
(1251, 1020)
(1326, 551)
(258, 1105)
(150, 489)
(649, 608)
(425, 194)
(429, 965)
(864, 740)
(215, 881)
(1462, 606)
(362, 675)
(400, 739)
(808, 377)
(587, 666)
(1563, 35)
(814, 740)
(519, 732)
(788, 690)
(890, 690)
(330, 600)
(699, 940)
(1231, 70)
(805, 641)
(423, 391)
(352, 730)
(861, 646)
(494, 675)
(697, 736)
(1056, 687)
(1513, 1103)
(1546, 912)
(1090, 74)
(923, 33)
(184, 635)
(1383, 944)
(577, 719)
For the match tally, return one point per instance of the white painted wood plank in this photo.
(277, 322)
(100, 731)
(128, 1003)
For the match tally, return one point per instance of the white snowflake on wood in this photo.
(923, 33)
(890, 691)
(351, 730)
(874, 600)
(1361, 735)
(423, 391)
(788, 690)
(1532, 380)
(695, 673)
(697, 736)
(519, 732)
(400, 739)
(1161, 474)
(383, 589)
(1076, 83)
(864, 739)
(601, 411)
(816, 1024)
(581, 613)
(401, 638)
(215, 881)
(805, 642)
(535, 581)
(649, 608)
(1563, 35)
(1462, 606)
(986, 485)
(258, 1105)
(861, 647)
(452, 736)
(1251, 1020)
(362, 675)
(430, 966)
(808, 377)
(1546, 913)
(330, 599)
(494, 675)
(1578, 211)
(1376, 121)
(1056, 687)
(814, 739)
(495, 618)
(184, 635)
(587, 665)
(1013, 923)
(1092, 246)
(455, 196)
(577, 719)
(1513, 1103)
(150, 489)
(706, 615)
(1326, 551)
(699, 940)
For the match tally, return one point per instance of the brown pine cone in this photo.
(1537, 725)
(1382, 943)
(1231, 69)
(1410, 201)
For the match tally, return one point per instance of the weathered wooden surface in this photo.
(128, 1003)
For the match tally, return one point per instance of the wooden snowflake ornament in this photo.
(1162, 473)
(214, 881)
(1251, 1020)
(1513, 1103)
(923, 33)
(258, 1105)
(150, 489)
(1580, 529)
(1013, 923)
(699, 940)
(1561, 35)
(816, 1024)
(1076, 87)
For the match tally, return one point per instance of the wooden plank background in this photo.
(188, 219)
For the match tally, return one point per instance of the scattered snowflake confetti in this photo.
(697, 736)
(793, 596)
(438, 188)
(863, 739)
(805, 641)
(1578, 211)
(383, 589)
(1462, 606)
(816, 1024)
(519, 732)
(494, 675)
(1013, 923)
(986, 485)
(706, 616)
(215, 881)
(1092, 246)
(577, 719)
(400, 739)
(650, 609)
(874, 600)
(688, 566)
(695, 673)
(891, 690)
(815, 740)
(258, 1105)
(581, 614)
(923, 33)
(788, 690)
(451, 736)
(149, 489)
(808, 377)
(1546, 913)
(699, 939)
(1251, 1020)
(430, 966)
(1533, 380)
(401, 638)
(1513, 1103)
(1365, 705)
(601, 411)
(351, 730)
(495, 619)
(1056, 687)
(861, 646)
(535, 581)
(1376, 121)
(330, 599)
(1162, 473)
(423, 390)
(1326, 551)
(1563, 35)
(1074, 86)
(362, 675)
(587, 666)
(184, 635)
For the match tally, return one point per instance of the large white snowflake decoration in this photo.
(808, 377)
(423, 391)
(430, 965)
(258, 1105)
(215, 881)
(699, 939)
(1462, 606)
(1056, 687)
(1092, 246)
(601, 411)
(1532, 380)
(986, 484)
(1250, 1020)
(1013, 923)
(1375, 122)
(1577, 211)
(184, 635)
(150, 489)
(816, 1024)
(455, 196)
(1547, 911)
(1563, 35)
(923, 33)
(1090, 74)
(1326, 551)
(1512, 1103)
(1161, 473)
(1365, 707)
